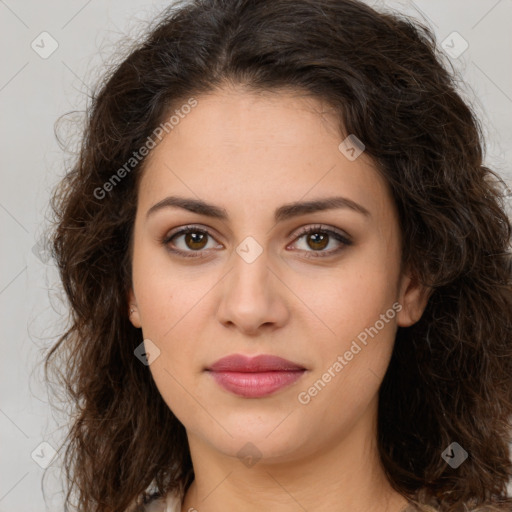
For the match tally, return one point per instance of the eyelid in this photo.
(188, 227)
(308, 228)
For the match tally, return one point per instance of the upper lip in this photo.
(261, 363)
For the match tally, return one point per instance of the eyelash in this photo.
(317, 229)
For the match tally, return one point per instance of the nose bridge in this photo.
(250, 274)
(250, 295)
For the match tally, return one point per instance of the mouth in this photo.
(255, 377)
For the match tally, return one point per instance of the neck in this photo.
(342, 475)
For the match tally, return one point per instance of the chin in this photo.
(271, 441)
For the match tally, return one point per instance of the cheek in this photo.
(175, 387)
(165, 296)
(171, 307)
(358, 310)
(348, 377)
(347, 299)
(366, 330)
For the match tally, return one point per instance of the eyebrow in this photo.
(281, 214)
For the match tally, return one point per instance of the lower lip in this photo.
(256, 385)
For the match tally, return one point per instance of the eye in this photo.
(192, 241)
(187, 241)
(318, 238)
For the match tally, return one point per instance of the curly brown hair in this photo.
(450, 376)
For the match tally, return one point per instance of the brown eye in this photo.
(195, 240)
(315, 239)
(189, 242)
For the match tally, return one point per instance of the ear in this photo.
(413, 296)
(133, 312)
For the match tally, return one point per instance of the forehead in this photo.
(259, 150)
(235, 118)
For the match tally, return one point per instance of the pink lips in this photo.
(254, 377)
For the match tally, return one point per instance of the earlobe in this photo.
(133, 313)
(414, 298)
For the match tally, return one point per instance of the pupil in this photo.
(195, 238)
(319, 239)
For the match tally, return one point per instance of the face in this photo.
(248, 279)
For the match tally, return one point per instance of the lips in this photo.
(262, 363)
(254, 377)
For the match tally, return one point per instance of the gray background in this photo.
(35, 91)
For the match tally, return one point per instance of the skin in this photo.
(250, 154)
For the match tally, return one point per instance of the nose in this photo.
(252, 297)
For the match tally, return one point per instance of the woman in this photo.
(288, 272)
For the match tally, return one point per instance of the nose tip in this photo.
(250, 296)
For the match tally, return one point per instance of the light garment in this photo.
(171, 503)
